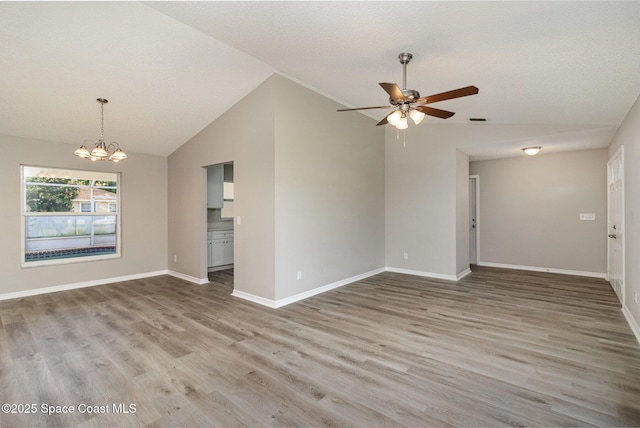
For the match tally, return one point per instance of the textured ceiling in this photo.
(171, 68)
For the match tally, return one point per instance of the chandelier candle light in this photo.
(101, 151)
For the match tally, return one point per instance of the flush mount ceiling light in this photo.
(531, 151)
(409, 103)
(101, 151)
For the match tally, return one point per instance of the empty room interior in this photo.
(320, 213)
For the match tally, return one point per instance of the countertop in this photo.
(220, 227)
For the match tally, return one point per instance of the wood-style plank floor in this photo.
(498, 348)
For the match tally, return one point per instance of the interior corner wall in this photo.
(420, 190)
(143, 216)
(628, 135)
(250, 145)
(462, 212)
(530, 208)
(329, 192)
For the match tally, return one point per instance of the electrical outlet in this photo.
(635, 297)
(406, 256)
(175, 258)
(299, 276)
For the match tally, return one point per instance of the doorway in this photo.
(474, 219)
(615, 223)
(220, 224)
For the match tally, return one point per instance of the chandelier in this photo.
(101, 151)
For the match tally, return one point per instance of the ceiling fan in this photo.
(409, 103)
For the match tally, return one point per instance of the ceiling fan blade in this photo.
(456, 93)
(362, 108)
(394, 92)
(442, 114)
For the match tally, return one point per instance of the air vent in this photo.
(477, 119)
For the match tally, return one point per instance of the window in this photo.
(69, 215)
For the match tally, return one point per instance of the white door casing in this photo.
(615, 223)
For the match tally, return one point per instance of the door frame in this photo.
(477, 181)
(619, 153)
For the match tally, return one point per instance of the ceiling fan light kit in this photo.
(416, 116)
(101, 151)
(532, 151)
(409, 103)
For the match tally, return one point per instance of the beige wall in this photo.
(244, 135)
(144, 217)
(420, 193)
(309, 186)
(462, 212)
(628, 135)
(329, 191)
(425, 199)
(530, 206)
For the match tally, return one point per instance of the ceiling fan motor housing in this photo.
(405, 57)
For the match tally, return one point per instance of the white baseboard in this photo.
(632, 323)
(306, 294)
(301, 296)
(255, 299)
(462, 274)
(542, 269)
(199, 281)
(422, 273)
(84, 284)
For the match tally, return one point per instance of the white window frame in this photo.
(69, 260)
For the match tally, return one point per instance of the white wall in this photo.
(628, 135)
(530, 206)
(144, 216)
(330, 198)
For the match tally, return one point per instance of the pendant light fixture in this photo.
(101, 151)
(532, 151)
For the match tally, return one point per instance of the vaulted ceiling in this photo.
(171, 68)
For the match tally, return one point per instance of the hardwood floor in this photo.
(498, 348)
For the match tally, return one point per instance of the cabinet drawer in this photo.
(220, 234)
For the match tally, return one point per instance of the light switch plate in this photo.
(587, 216)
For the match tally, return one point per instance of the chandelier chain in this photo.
(102, 121)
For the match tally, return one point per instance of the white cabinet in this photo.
(220, 191)
(220, 248)
(215, 180)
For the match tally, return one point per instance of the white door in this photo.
(473, 219)
(615, 223)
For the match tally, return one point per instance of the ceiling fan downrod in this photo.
(404, 60)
